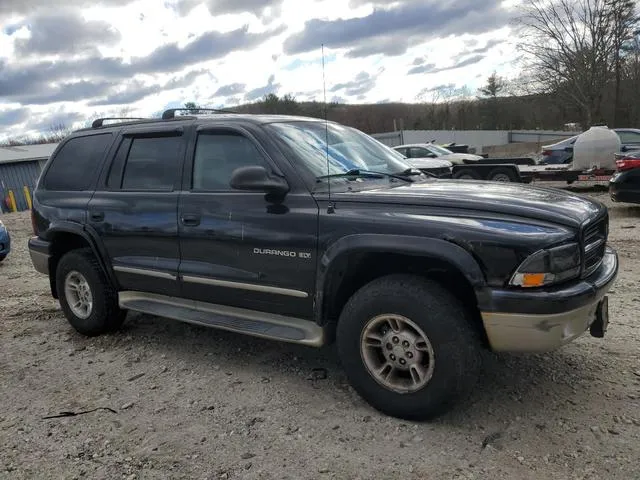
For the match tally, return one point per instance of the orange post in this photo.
(12, 201)
(27, 196)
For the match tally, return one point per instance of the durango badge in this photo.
(281, 253)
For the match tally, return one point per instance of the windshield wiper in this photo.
(357, 172)
(409, 172)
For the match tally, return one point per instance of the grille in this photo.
(594, 244)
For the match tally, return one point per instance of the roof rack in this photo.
(99, 122)
(171, 113)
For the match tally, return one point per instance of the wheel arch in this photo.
(68, 236)
(355, 260)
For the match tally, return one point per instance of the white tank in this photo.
(596, 148)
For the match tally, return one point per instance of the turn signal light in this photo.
(533, 279)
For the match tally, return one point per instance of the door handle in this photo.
(190, 220)
(96, 216)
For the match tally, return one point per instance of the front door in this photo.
(241, 248)
(134, 210)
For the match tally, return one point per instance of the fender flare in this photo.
(91, 237)
(445, 250)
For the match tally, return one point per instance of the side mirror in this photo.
(431, 155)
(257, 179)
(568, 149)
(624, 148)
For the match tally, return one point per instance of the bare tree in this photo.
(570, 44)
(625, 22)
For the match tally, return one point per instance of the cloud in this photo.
(260, 92)
(479, 50)
(425, 68)
(361, 84)
(405, 23)
(390, 46)
(64, 32)
(66, 92)
(137, 90)
(21, 81)
(20, 7)
(11, 117)
(61, 117)
(431, 68)
(266, 10)
(229, 90)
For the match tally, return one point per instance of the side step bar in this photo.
(249, 322)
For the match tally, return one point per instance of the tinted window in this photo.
(417, 152)
(629, 137)
(218, 155)
(152, 163)
(402, 151)
(76, 163)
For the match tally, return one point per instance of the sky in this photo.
(67, 62)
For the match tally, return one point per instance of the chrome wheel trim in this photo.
(397, 353)
(78, 294)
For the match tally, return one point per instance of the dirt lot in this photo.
(190, 402)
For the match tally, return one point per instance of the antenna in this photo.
(326, 131)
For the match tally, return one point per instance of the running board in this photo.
(249, 322)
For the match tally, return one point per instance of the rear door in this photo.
(134, 209)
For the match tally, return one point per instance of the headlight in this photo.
(546, 267)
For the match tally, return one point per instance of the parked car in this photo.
(5, 242)
(435, 167)
(431, 150)
(562, 152)
(624, 185)
(301, 230)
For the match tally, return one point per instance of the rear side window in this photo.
(75, 165)
(146, 163)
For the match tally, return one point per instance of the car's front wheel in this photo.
(408, 346)
(87, 298)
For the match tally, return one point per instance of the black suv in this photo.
(307, 231)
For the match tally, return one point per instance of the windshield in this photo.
(438, 150)
(348, 149)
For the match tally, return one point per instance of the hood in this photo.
(457, 158)
(428, 162)
(547, 204)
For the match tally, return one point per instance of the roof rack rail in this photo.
(99, 122)
(171, 113)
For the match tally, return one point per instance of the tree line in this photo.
(580, 67)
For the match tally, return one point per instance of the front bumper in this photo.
(40, 252)
(528, 321)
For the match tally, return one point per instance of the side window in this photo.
(152, 163)
(403, 151)
(76, 163)
(217, 155)
(417, 152)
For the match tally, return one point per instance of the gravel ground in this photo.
(179, 401)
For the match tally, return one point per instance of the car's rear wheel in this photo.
(501, 174)
(466, 174)
(408, 346)
(2, 257)
(87, 298)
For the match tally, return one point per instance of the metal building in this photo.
(20, 167)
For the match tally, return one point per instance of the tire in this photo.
(102, 314)
(2, 257)
(501, 174)
(466, 174)
(455, 345)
